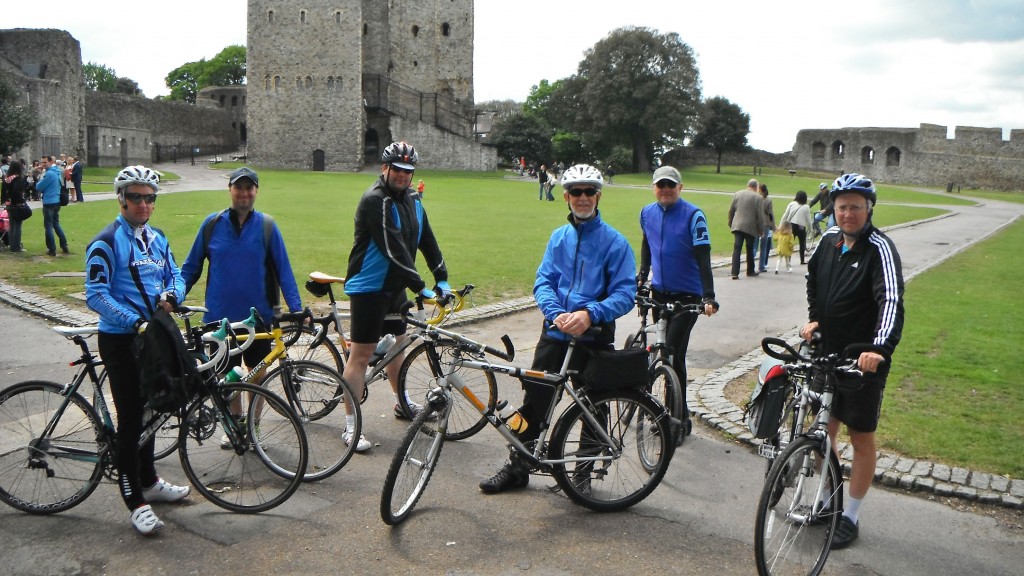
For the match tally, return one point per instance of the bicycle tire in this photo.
(325, 352)
(416, 379)
(313, 388)
(165, 440)
(664, 386)
(788, 538)
(48, 475)
(643, 436)
(266, 466)
(412, 466)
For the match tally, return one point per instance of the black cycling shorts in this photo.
(368, 312)
(859, 407)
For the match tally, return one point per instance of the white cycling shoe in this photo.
(165, 492)
(145, 521)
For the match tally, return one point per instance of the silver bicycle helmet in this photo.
(853, 183)
(137, 175)
(582, 174)
(401, 155)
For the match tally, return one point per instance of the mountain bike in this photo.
(415, 376)
(664, 381)
(802, 497)
(56, 446)
(609, 448)
(311, 390)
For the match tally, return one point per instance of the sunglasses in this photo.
(576, 192)
(666, 184)
(136, 198)
(402, 170)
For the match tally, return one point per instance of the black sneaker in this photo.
(510, 477)
(846, 533)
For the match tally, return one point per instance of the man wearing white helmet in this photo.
(587, 277)
(129, 272)
(855, 296)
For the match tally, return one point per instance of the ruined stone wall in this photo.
(442, 150)
(231, 99)
(973, 158)
(304, 71)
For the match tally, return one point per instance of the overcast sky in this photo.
(789, 64)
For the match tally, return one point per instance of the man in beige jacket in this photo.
(747, 222)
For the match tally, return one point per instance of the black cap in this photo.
(243, 172)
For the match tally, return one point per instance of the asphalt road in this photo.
(699, 521)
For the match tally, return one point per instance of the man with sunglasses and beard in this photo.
(677, 250)
(390, 225)
(586, 278)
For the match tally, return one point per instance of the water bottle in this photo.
(383, 346)
(512, 418)
(236, 374)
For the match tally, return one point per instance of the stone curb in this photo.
(705, 397)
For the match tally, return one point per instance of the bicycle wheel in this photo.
(311, 388)
(416, 379)
(165, 440)
(665, 388)
(412, 466)
(268, 461)
(325, 352)
(789, 537)
(44, 474)
(641, 450)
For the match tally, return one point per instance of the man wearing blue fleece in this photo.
(249, 265)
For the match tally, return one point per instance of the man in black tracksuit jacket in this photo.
(855, 295)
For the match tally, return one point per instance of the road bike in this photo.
(609, 448)
(415, 376)
(56, 446)
(802, 498)
(311, 390)
(664, 381)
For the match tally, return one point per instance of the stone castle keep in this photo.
(973, 158)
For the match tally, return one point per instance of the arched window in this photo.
(266, 83)
(818, 150)
(270, 16)
(867, 155)
(277, 83)
(446, 29)
(337, 16)
(221, 100)
(366, 29)
(234, 101)
(302, 16)
(892, 156)
(838, 149)
(309, 83)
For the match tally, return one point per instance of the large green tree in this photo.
(101, 78)
(723, 128)
(635, 88)
(522, 135)
(17, 123)
(225, 69)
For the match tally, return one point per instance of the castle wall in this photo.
(438, 149)
(305, 84)
(973, 158)
(231, 99)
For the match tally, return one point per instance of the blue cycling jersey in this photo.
(671, 234)
(126, 271)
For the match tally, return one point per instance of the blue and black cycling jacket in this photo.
(586, 266)
(125, 277)
(241, 263)
(389, 228)
(677, 249)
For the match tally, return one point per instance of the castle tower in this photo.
(304, 75)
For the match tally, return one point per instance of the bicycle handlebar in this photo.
(771, 345)
(648, 302)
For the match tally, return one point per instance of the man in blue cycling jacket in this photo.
(676, 251)
(129, 272)
(586, 278)
(390, 226)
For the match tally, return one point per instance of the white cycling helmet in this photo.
(582, 174)
(137, 175)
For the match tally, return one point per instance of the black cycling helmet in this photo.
(400, 155)
(853, 183)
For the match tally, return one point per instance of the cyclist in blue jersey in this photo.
(130, 271)
(390, 226)
(585, 279)
(676, 252)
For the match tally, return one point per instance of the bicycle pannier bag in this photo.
(764, 411)
(609, 369)
(167, 372)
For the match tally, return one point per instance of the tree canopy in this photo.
(522, 135)
(19, 123)
(101, 78)
(723, 128)
(225, 69)
(636, 88)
